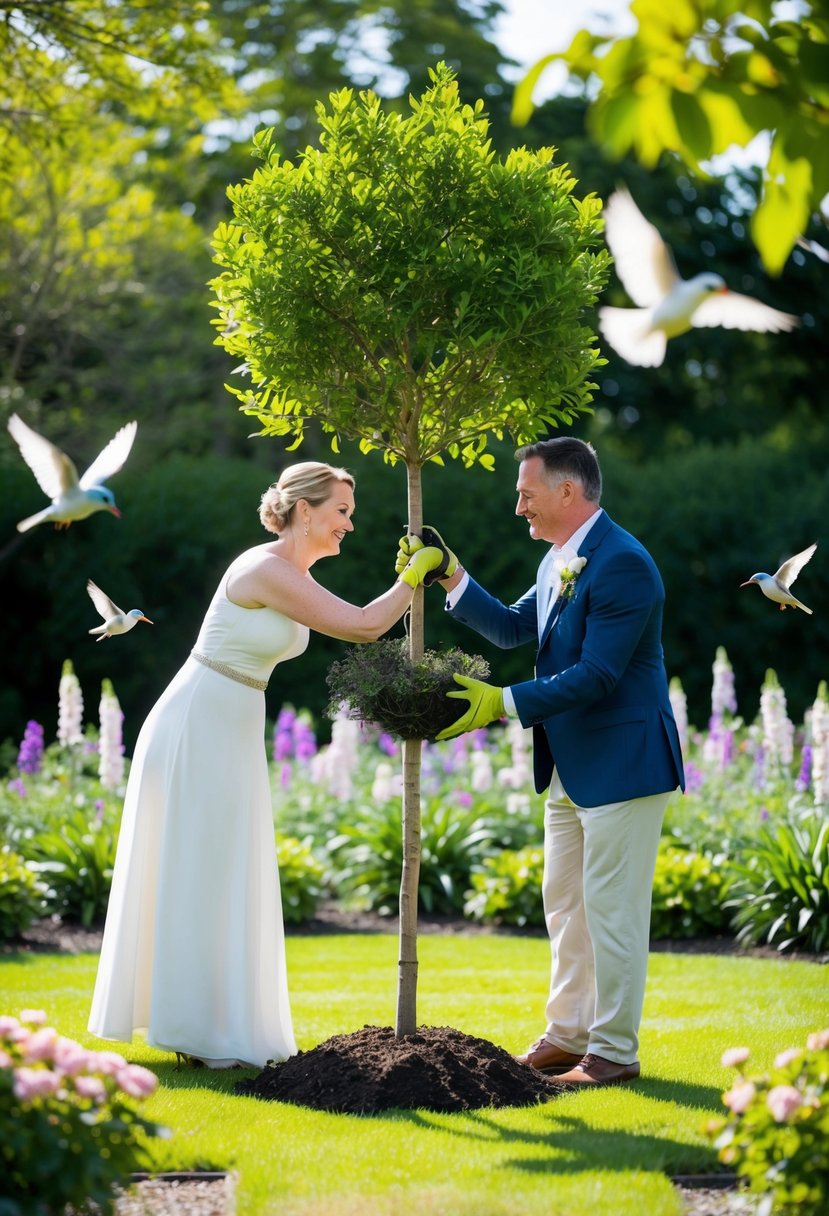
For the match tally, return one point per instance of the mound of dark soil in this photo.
(372, 1070)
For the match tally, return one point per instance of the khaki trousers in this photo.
(598, 876)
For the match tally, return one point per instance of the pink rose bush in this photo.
(776, 1134)
(68, 1128)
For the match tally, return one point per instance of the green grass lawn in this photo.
(602, 1153)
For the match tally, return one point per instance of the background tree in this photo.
(417, 294)
(699, 76)
(107, 53)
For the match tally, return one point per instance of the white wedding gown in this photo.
(194, 949)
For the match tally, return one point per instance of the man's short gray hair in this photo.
(565, 457)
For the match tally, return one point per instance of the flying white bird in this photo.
(72, 498)
(115, 619)
(668, 305)
(776, 586)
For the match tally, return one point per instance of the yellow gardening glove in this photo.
(407, 547)
(431, 536)
(425, 559)
(486, 704)
(410, 543)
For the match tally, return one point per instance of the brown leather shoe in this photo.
(595, 1070)
(546, 1057)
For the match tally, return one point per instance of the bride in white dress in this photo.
(194, 950)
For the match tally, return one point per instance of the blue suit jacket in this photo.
(598, 704)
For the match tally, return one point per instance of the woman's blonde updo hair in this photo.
(310, 479)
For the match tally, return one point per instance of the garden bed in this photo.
(66, 938)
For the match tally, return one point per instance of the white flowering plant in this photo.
(776, 1134)
(69, 1132)
(568, 575)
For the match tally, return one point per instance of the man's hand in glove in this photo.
(486, 704)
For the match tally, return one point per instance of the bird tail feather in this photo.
(31, 520)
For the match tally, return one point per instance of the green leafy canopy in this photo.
(407, 287)
(700, 76)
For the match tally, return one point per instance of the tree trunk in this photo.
(407, 963)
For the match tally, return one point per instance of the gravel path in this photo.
(156, 1197)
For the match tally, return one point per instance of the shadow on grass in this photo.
(575, 1145)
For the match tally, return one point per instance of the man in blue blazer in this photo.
(606, 749)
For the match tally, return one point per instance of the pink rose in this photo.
(31, 1083)
(136, 1081)
(783, 1101)
(41, 1045)
(107, 1062)
(91, 1087)
(739, 1098)
(734, 1057)
(818, 1041)
(71, 1058)
(36, 1016)
(786, 1057)
(7, 1024)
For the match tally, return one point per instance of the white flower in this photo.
(818, 720)
(723, 696)
(481, 779)
(70, 707)
(386, 783)
(679, 704)
(110, 744)
(778, 730)
(568, 572)
(334, 765)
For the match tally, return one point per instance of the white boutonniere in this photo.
(569, 573)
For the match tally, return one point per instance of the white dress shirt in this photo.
(564, 553)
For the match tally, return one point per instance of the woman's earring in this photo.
(306, 529)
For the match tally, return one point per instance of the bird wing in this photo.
(111, 458)
(102, 602)
(644, 263)
(735, 311)
(54, 471)
(789, 571)
(629, 332)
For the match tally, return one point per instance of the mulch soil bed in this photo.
(372, 1070)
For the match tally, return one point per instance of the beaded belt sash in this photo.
(224, 669)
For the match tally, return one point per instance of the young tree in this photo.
(410, 290)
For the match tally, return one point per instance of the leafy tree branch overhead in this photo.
(148, 56)
(700, 76)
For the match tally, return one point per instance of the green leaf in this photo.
(784, 209)
(692, 123)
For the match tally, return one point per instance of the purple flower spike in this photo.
(30, 756)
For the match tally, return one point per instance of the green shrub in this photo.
(367, 856)
(22, 895)
(301, 879)
(507, 888)
(780, 888)
(777, 1132)
(688, 892)
(77, 860)
(68, 1130)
